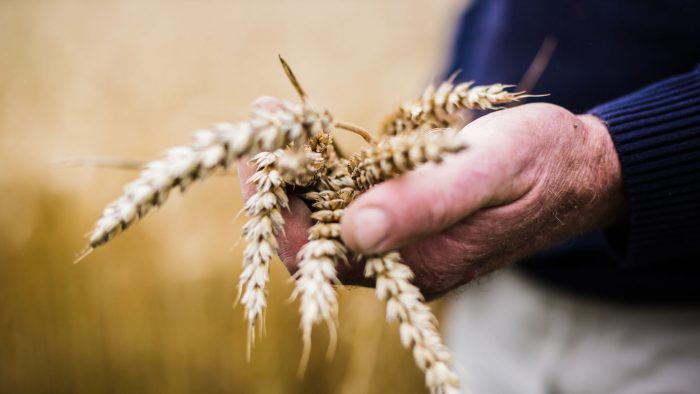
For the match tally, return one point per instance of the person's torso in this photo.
(601, 50)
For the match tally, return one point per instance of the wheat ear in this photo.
(318, 260)
(417, 324)
(264, 223)
(211, 149)
(437, 107)
(395, 155)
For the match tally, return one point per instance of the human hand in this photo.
(531, 176)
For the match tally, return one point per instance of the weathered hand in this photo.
(531, 176)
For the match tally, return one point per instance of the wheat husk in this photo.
(417, 324)
(264, 224)
(438, 107)
(319, 258)
(401, 153)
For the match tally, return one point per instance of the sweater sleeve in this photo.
(656, 132)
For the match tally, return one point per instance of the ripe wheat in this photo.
(417, 324)
(292, 150)
(264, 224)
(398, 154)
(437, 108)
(211, 149)
(318, 260)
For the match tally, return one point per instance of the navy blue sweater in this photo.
(634, 64)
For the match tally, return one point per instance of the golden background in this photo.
(152, 311)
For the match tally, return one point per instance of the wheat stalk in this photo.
(436, 108)
(417, 324)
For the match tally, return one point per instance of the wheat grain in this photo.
(437, 107)
(401, 153)
(417, 324)
(318, 260)
(300, 168)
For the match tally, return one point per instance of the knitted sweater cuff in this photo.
(656, 132)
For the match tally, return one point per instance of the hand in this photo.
(531, 176)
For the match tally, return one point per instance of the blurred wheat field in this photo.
(152, 311)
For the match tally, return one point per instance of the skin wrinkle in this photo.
(450, 198)
(482, 247)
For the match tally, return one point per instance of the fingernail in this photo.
(267, 103)
(370, 226)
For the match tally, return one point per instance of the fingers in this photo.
(245, 171)
(297, 221)
(431, 198)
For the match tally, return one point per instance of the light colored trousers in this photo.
(511, 335)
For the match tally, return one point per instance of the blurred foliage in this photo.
(118, 323)
(152, 312)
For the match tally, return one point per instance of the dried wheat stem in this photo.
(437, 107)
(106, 162)
(113, 163)
(357, 130)
(293, 79)
(317, 266)
(401, 153)
(264, 223)
(266, 131)
(417, 324)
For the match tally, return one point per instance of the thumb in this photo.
(426, 200)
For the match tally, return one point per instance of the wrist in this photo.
(604, 164)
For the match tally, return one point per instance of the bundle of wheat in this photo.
(292, 149)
